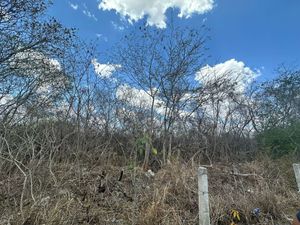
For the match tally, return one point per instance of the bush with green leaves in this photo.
(281, 141)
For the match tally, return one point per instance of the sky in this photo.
(259, 35)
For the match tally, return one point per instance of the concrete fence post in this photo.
(204, 218)
(297, 174)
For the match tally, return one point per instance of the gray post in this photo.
(297, 174)
(203, 197)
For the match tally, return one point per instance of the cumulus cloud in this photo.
(155, 10)
(141, 99)
(232, 77)
(136, 97)
(47, 71)
(34, 63)
(104, 70)
(232, 72)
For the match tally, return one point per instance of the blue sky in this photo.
(260, 33)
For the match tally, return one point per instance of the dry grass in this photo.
(91, 193)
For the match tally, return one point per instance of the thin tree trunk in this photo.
(164, 149)
(147, 155)
(150, 136)
(170, 148)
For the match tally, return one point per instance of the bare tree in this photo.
(32, 60)
(278, 100)
(162, 64)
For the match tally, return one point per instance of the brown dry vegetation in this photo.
(92, 191)
(75, 144)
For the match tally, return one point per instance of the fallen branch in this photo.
(246, 174)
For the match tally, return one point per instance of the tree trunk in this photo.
(170, 148)
(147, 156)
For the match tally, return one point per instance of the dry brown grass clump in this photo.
(99, 193)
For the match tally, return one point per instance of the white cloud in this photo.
(117, 26)
(4, 99)
(101, 37)
(7, 103)
(73, 6)
(4, 15)
(232, 72)
(46, 71)
(88, 13)
(235, 75)
(55, 64)
(104, 70)
(155, 10)
(135, 97)
(34, 63)
(139, 98)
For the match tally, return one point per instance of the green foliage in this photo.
(154, 151)
(141, 143)
(281, 141)
(130, 166)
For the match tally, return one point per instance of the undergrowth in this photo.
(101, 192)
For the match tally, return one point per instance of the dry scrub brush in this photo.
(95, 190)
